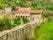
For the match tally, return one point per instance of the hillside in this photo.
(45, 32)
(34, 4)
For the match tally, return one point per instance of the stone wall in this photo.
(21, 32)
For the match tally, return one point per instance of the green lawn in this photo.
(45, 32)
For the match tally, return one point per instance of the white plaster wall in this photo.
(35, 16)
(23, 14)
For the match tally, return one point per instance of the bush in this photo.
(1, 5)
(17, 21)
(25, 20)
(6, 23)
(45, 14)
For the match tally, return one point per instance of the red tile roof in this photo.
(23, 11)
(27, 10)
(36, 11)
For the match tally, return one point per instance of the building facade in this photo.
(22, 12)
(27, 13)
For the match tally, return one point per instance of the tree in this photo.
(28, 4)
(1, 5)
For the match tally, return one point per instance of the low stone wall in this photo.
(21, 32)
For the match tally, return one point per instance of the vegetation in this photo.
(34, 4)
(6, 23)
(1, 5)
(45, 32)
(48, 14)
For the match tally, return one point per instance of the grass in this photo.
(45, 32)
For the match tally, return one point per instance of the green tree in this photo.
(1, 5)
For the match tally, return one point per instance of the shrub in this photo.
(1, 5)
(21, 21)
(17, 21)
(25, 20)
(6, 23)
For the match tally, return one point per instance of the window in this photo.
(33, 18)
(26, 17)
(23, 17)
(16, 16)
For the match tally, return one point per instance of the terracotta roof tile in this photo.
(36, 11)
(26, 11)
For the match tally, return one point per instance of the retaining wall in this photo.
(21, 32)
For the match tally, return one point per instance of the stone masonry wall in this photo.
(21, 32)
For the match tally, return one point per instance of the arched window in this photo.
(33, 18)
(26, 17)
(23, 17)
(16, 16)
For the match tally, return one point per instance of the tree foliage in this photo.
(6, 23)
(38, 4)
